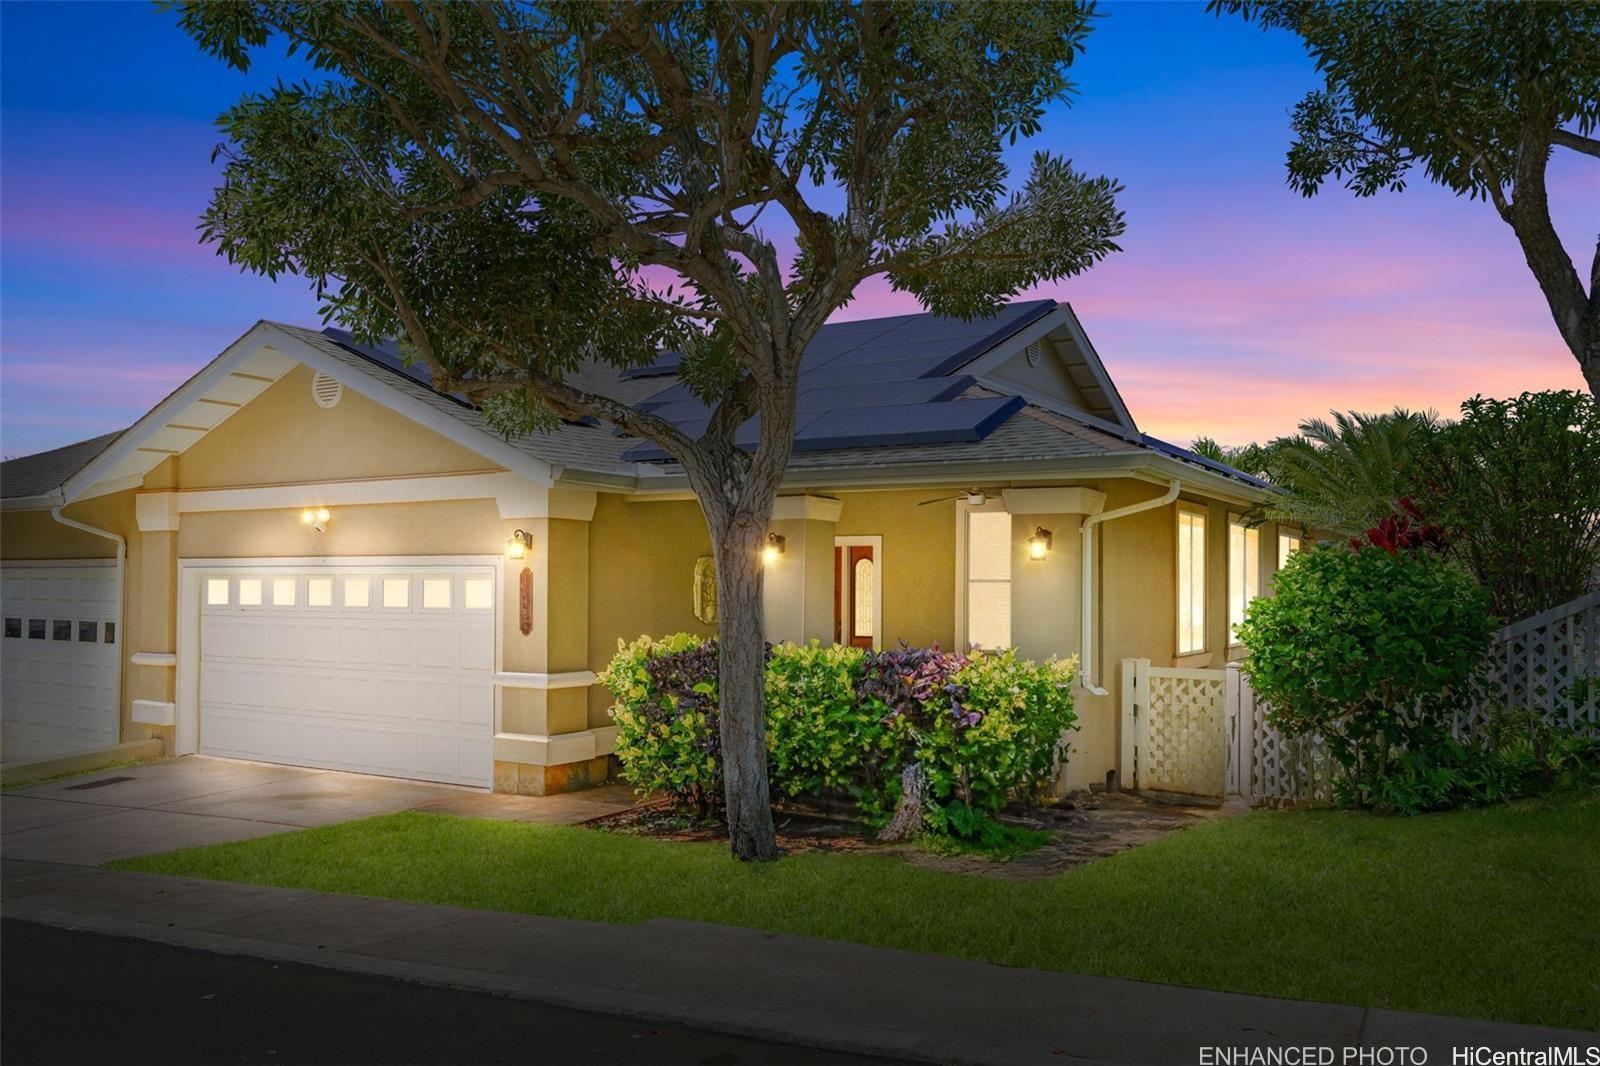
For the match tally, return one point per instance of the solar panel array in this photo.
(873, 382)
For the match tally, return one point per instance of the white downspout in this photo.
(122, 626)
(1086, 623)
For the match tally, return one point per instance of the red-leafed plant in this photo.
(1404, 530)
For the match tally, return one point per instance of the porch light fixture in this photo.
(316, 517)
(774, 547)
(1039, 543)
(519, 544)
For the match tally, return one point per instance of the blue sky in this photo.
(1236, 308)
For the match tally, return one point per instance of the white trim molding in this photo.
(167, 659)
(514, 495)
(1072, 500)
(154, 712)
(807, 508)
(157, 512)
(536, 749)
(569, 679)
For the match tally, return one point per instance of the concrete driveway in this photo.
(179, 803)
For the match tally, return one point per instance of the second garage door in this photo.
(381, 670)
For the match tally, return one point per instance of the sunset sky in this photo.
(1236, 309)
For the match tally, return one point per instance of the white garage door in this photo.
(58, 671)
(381, 670)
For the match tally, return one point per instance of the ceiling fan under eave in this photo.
(974, 498)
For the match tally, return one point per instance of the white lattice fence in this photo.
(1548, 664)
(1264, 765)
(1173, 736)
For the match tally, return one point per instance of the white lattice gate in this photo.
(1173, 739)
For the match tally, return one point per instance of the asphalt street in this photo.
(76, 997)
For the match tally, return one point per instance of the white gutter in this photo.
(122, 559)
(1086, 552)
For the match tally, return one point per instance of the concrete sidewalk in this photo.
(819, 993)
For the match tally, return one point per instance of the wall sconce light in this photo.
(519, 544)
(316, 517)
(774, 547)
(1039, 543)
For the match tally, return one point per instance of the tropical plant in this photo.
(1347, 473)
(1518, 483)
(1371, 647)
(516, 188)
(1479, 94)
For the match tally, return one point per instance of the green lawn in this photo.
(1491, 913)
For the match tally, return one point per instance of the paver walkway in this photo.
(819, 993)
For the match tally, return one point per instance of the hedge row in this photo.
(985, 728)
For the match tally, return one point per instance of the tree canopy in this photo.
(1478, 94)
(519, 188)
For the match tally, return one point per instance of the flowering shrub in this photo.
(985, 729)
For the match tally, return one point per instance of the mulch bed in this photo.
(1083, 826)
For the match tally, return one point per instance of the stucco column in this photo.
(150, 615)
(544, 743)
(798, 585)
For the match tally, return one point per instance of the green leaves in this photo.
(1370, 650)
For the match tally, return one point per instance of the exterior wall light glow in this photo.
(316, 517)
(519, 544)
(773, 548)
(1039, 543)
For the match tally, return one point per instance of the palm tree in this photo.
(1346, 474)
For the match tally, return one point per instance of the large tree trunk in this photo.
(737, 537)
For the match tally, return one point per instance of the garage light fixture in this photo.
(1039, 543)
(519, 544)
(316, 517)
(774, 547)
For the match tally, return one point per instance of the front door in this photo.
(855, 590)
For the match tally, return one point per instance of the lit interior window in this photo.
(283, 591)
(435, 593)
(249, 592)
(989, 579)
(319, 592)
(217, 591)
(1191, 582)
(1244, 572)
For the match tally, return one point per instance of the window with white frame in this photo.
(989, 579)
(1244, 571)
(1289, 542)
(1191, 581)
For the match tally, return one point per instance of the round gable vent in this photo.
(325, 390)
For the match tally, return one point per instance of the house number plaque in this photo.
(525, 601)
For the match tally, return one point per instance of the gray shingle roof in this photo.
(36, 475)
(850, 370)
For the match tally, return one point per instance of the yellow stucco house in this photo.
(307, 555)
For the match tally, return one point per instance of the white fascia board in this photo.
(1015, 343)
(30, 503)
(485, 444)
(78, 486)
(1097, 367)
